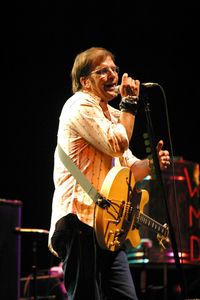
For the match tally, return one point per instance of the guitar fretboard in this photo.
(141, 218)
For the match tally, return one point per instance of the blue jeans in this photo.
(90, 272)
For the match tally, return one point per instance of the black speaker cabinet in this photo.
(10, 249)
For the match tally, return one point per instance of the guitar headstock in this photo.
(164, 239)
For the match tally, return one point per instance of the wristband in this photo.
(129, 104)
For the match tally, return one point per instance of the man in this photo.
(96, 137)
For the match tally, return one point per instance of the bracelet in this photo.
(131, 98)
(127, 105)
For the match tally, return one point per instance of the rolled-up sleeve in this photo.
(108, 136)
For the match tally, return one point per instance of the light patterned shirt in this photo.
(94, 141)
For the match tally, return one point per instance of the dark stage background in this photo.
(157, 43)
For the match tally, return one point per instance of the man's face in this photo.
(103, 80)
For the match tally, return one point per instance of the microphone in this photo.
(149, 84)
(144, 85)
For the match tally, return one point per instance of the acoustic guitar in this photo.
(117, 222)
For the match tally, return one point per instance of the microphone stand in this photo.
(144, 99)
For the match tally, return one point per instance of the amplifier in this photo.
(10, 249)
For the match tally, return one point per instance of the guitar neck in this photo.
(142, 219)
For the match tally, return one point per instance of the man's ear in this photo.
(85, 82)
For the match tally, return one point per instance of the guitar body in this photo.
(115, 223)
